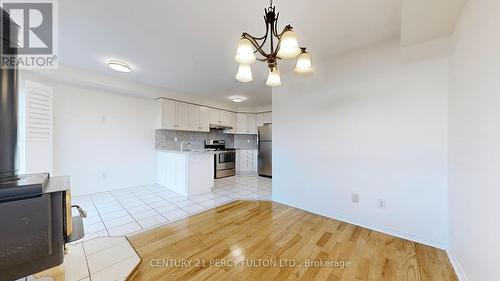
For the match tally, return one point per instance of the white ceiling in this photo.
(426, 20)
(189, 45)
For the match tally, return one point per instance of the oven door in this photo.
(226, 160)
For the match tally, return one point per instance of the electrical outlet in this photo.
(381, 204)
(175, 139)
(248, 141)
(104, 119)
(355, 198)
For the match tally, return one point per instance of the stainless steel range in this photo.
(224, 158)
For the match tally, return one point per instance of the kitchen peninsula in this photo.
(186, 172)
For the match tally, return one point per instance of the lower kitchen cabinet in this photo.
(246, 161)
(185, 173)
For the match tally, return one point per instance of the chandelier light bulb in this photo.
(244, 53)
(244, 73)
(289, 46)
(274, 80)
(304, 64)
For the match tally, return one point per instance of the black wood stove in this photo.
(35, 210)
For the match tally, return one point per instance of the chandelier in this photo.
(285, 47)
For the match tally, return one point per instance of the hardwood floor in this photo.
(261, 240)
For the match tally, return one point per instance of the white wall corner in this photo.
(425, 51)
(456, 265)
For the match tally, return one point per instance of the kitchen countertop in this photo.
(195, 151)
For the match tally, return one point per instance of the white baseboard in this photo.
(456, 266)
(379, 228)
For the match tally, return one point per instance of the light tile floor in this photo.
(126, 211)
(131, 210)
(100, 259)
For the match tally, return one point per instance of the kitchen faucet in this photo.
(184, 144)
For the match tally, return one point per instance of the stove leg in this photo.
(57, 273)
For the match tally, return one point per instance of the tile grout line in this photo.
(99, 214)
(119, 203)
(86, 260)
(155, 208)
(128, 243)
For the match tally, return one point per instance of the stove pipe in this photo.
(8, 101)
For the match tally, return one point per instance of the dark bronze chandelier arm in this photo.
(262, 45)
(256, 45)
(287, 28)
(275, 29)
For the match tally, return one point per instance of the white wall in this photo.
(474, 142)
(103, 141)
(364, 123)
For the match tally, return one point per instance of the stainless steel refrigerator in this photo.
(266, 150)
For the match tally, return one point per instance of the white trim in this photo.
(379, 228)
(456, 266)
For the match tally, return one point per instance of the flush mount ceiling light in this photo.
(119, 66)
(238, 100)
(285, 47)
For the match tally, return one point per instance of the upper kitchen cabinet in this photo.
(215, 118)
(168, 114)
(182, 112)
(183, 116)
(222, 118)
(199, 118)
(174, 115)
(246, 123)
(264, 118)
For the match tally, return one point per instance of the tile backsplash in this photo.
(247, 142)
(165, 139)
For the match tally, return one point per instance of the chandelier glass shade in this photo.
(304, 64)
(289, 46)
(283, 45)
(245, 54)
(274, 79)
(244, 73)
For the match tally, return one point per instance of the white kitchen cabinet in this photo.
(264, 118)
(267, 117)
(175, 115)
(199, 118)
(226, 118)
(168, 115)
(246, 123)
(241, 123)
(215, 117)
(223, 118)
(252, 126)
(259, 122)
(182, 116)
(205, 119)
(231, 123)
(220, 117)
(182, 111)
(256, 161)
(185, 173)
(246, 161)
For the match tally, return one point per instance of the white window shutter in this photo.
(36, 130)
